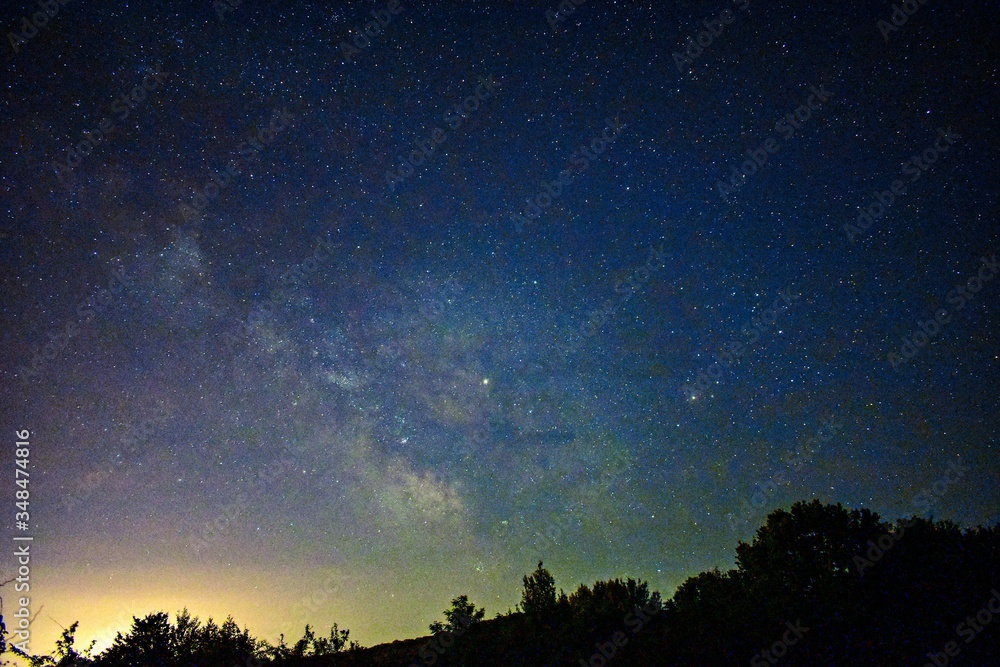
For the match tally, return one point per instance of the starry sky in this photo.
(330, 312)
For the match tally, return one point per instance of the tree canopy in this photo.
(818, 583)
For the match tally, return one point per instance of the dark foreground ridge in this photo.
(818, 585)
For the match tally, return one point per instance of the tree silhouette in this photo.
(66, 654)
(154, 641)
(310, 644)
(801, 563)
(66, 649)
(612, 598)
(924, 586)
(538, 599)
(150, 642)
(461, 615)
(337, 641)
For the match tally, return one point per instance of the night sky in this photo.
(310, 325)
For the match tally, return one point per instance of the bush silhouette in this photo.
(461, 615)
(848, 587)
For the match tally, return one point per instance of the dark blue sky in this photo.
(253, 380)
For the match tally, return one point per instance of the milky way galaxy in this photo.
(330, 314)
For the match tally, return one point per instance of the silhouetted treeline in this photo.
(818, 585)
